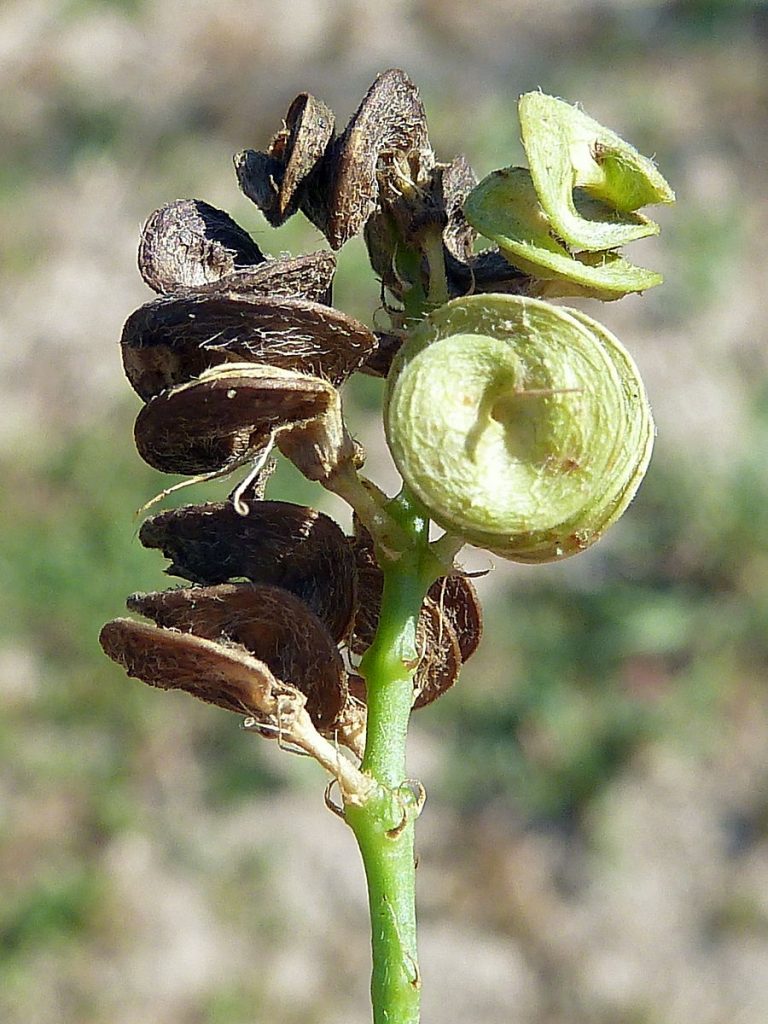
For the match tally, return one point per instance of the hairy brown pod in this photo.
(219, 421)
(227, 676)
(390, 118)
(458, 601)
(174, 339)
(448, 632)
(278, 543)
(272, 624)
(188, 243)
(308, 276)
(276, 180)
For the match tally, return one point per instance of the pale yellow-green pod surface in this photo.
(567, 149)
(505, 208)
(522, 427)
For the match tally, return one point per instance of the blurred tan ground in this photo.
(171, 903)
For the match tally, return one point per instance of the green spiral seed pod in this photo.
(567, 149)
(562, 220)
(522, 427)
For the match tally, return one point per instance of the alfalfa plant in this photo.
(518, 426)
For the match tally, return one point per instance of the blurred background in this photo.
(595, 844)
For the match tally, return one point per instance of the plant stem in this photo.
(384, 823)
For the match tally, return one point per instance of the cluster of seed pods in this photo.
(240, 354)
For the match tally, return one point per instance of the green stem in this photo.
(432, 247)
(384, 823)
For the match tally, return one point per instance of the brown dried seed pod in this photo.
(259, 176)
(439, 654)
(309, 276)
(225, 417)
(370, 584)
(275, 626)
(309, 128)
(487, 271)
(379, 361)
(274, 180)
(188, 242)
(278, 543)
(454, 598)
(173, 339)
(390, 117)
(457, 598)
(227, 676)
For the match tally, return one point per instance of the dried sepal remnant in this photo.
(254, 487)
(225, 675)
(272, 624)
(278, 543)
(457, 181)
(349, 726)
(409, 213)
(188, 243)
(225, 417)
(174, 339)
(418, 196)
(320, 447)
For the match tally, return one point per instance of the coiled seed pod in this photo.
(562, 220)
(505, 208)
(522, 427)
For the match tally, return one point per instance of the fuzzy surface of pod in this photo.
(276, 180)
(390, 118)
(227, 676)
(307, 276)
(522, 427)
